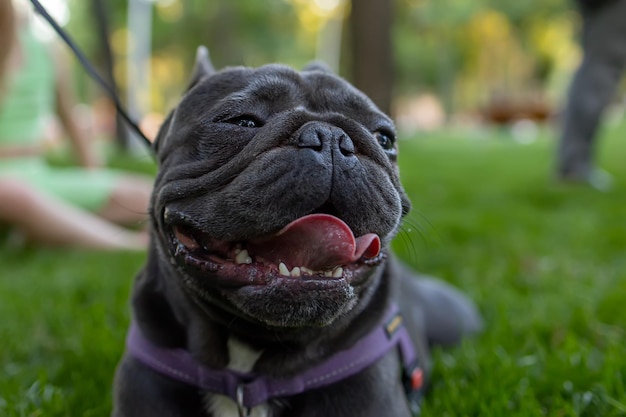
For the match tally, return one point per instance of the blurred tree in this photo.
(104, 58)
(461, 50)
(372, 51)
(469, 51)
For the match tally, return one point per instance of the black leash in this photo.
(90, 69)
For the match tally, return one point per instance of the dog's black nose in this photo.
(323, 137)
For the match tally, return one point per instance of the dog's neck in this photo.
(254, 390)
(242, 358)
(207, 334)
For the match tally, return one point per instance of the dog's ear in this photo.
(203, 67)
(317, 66)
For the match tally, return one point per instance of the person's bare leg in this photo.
(128, 203)
(50, 221)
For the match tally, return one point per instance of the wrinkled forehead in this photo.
(281, 87)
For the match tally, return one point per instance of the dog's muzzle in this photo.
(316, 246)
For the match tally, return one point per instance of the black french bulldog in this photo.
(272, 212)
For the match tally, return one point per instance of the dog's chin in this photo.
(291, 303)
(270, 279)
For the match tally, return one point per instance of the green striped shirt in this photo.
(29, 101)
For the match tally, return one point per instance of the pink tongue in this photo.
(318, 242)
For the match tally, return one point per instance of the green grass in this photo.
(545, 262)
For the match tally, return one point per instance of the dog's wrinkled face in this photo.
(277, 193)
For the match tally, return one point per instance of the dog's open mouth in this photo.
(313, 247)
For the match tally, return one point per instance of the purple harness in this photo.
(249, 390)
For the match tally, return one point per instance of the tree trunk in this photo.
(372, 51)
(105, 59)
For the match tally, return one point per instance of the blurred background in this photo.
(431, 64)
(476, 88)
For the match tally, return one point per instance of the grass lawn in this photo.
(546, 264)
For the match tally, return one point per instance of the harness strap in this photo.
(249, 390)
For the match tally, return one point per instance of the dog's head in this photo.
(277, 193)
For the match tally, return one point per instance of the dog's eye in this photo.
(245, 121)
(385, 139)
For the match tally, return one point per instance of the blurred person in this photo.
(592, 88)
(85, 206)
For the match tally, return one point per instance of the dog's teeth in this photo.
(295, 272)
(328, 274)
(306, 270)
(282, 268)
(338, 272)
(242, 257)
